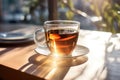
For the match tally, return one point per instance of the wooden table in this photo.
(101, 63)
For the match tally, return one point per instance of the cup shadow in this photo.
(52, 68)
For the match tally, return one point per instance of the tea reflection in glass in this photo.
(61, 36)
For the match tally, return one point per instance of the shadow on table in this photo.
(52, 68)
(7, 73)
(113, 58)
(12, 45)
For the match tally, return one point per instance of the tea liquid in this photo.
(62, 41)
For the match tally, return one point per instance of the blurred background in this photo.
(93, 14)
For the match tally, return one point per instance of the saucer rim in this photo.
(48, 54)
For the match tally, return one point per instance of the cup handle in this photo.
(39, 38)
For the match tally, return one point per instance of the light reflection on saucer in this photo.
(78, 51)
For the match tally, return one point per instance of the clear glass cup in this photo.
(60, 37)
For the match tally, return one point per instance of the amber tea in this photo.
(61, 42)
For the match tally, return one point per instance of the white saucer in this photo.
(78, 51)
(14, 36)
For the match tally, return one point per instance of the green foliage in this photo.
(69, 15)
(69, 5)
(109, 12)
(33, 5)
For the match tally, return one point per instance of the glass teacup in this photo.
(60, 36)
